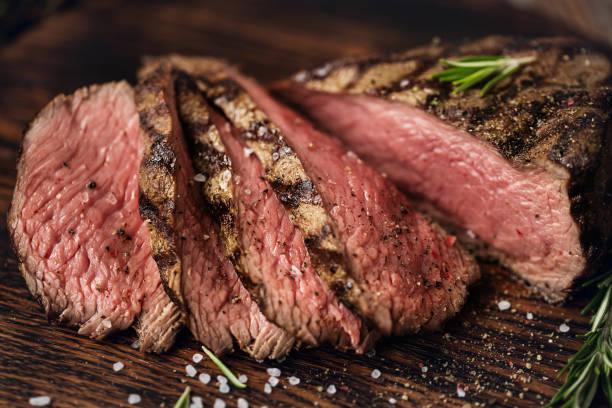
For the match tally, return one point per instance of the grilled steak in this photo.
(186, 244)
(523, 173)
(83, 249)
(266, 247)
(413, 272)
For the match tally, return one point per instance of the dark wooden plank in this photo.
(493, 355)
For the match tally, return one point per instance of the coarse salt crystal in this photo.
(274, 372)
(529, 316)
(331, 389)
(40, 401)
(197, 357)
(222, 379)
(247, 151)
(219, 403)
(273, 381)
(135, 345)
(296, 270)
(460, 392)
(196, 402)
(107, 323)
(392, 401)
(470, 234)
(375, 373)
(503, 305)
(118, 366)
(267, 388)
(293, 380)
(242, 403)
(134, 399)
(564, 328)
(200, 178)
(224, 388)
(243, 378)
(424, 369)
(204, 378)
(190, 370)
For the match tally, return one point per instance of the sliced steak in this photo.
(415, 274)
(270, 251)
(83, 249)
(186, 243)
(524, 171)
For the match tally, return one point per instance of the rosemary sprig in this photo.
(466, 72)
(183, 401)
(589, 369)
(228, 373)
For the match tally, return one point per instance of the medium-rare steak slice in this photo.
(83, 249)
(186, 243)
(265, 245)
(524, 170)
(416, 274)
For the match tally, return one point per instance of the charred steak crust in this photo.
(555, 110)
(157, 178)
(210, 160)
(283, 171)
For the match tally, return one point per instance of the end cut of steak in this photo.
(523, 173)
(83, 249)
(187, 244)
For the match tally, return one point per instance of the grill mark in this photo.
(209, 159)
(291, 185)
(157, 179)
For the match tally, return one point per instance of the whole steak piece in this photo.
(83, 249)
(523, 175)
(186, 244)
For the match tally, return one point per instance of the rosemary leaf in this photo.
(183, 401)
(224, 369)
(470, 71)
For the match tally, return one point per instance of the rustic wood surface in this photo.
(498, 358)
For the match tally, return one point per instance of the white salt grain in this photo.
(134, 399)
(267, 388)
(503, 305)
(331, 389)
(219, 403)
(293, 380)
(190, 370)
(204, 378)
(247, 151)
(118, 366)
(529, 316)
(222, 379)
(107, 323)
(392, 401)
(200, 178)
(243, 378)
(424, 369)
(224, 388)
(196, 402)
(135, 345)
(197, 357)
(40, 401)
(273, 381)
(375, 373)
(274, 372)
(564, 328)
(242, 403)
(460, 392)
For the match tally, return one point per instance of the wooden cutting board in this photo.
(484, 357)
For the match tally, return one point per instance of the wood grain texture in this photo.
(499, 358)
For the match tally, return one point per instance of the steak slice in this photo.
(415, 274)
(265, 245)
(523, 173)
(83, 249)
(186, 243)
